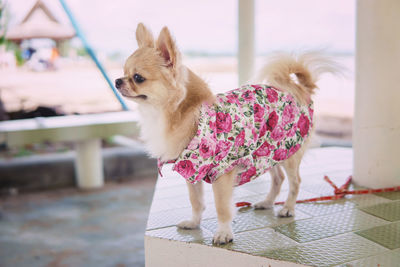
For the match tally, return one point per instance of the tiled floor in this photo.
(361, 230)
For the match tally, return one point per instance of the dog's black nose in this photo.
(118, 83)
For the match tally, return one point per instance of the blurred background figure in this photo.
(40, 57)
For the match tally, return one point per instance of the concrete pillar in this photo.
(246, 40)
(89, 164)
(376, 139)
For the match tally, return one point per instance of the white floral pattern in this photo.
(253, 127)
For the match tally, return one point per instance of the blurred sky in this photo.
(209, 26)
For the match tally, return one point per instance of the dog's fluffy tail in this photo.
(297, 74)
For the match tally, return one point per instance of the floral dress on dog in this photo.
(253, 127)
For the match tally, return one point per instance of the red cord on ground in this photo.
(243, 204)
(338, 193)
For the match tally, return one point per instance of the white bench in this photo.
(86, 130)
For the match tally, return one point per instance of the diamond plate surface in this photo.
(366, 200)
(387, 235)
(169, 192)
(263, 187)
(390, 195)
(302, 195)
(252, 199)
(319, 188)
(181, 200)
(255, 219)
(174, 233)
(326, 207)
(328, 251)
(387, 259)
(164, 204)
(339, 175)
(388, 211)
(258, 188)
(330, 225)
(329, 229)
(338, 172)
(257, 241)
(173, 217)
(241, 191)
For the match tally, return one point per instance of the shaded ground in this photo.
(74, 228)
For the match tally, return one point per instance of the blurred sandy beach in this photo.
(78, 87)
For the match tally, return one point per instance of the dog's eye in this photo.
(138, 78)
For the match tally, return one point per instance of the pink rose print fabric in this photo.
(253, 127)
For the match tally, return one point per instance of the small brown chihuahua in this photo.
(250, 130)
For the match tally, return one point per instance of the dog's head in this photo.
(154, 74)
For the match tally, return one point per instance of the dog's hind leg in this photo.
(291, 167)
(277, 176)
(197, 201)
(223, 191)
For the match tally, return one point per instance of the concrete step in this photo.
(50, 171)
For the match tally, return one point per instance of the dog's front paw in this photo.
(286, 212)
(223, 236)
(188, 224)
(263, 205)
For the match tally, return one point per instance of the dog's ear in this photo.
(144, 37)
(169, 51)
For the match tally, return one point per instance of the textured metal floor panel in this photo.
(359, 230)
(180, 197)
(173, 217)
(255, 219)
(326, 207)
(170, 192)
(390, 258)
(331, 225)
(387, 211)
(253, 199)
(302, 195)
(321, 188)
(390, 195)
(328, 251)
(386, 235)
(258, 188)
(174, 233)
(367, 200)
(177, 202)
(262, 185)
(257, 241)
